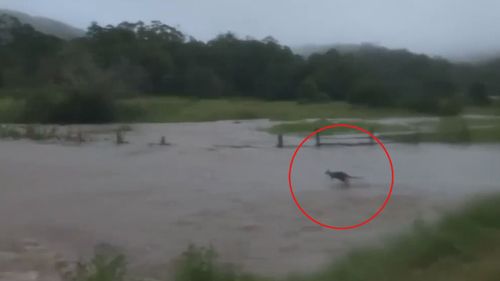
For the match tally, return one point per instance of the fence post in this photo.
(417, 136)
(80, 137)
(163, 141)
(280, 140)
(119, 137)
(318, 139)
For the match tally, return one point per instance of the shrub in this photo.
(104, 266)
(308, 92)
(76, 106)
(39, 107)
(84, 107)
(196, 264)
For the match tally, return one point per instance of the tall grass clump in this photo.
(453, 130)
(200, 264)
(104, 266)
(462, 246)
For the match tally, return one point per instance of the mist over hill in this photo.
(458, 56)
(46, 25)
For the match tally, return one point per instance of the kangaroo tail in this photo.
(355, 177)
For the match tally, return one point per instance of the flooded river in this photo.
(225, 184)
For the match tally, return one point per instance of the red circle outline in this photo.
(380, 209)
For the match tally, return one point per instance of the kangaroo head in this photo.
(327, 172)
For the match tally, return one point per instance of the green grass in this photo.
(457, 130)
(462, 246)
(172, 109)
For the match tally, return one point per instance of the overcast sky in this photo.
(442, 27)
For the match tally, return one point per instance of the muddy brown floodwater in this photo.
(225, 184)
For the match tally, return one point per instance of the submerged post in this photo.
(163, 141)
(280, 141)
(372, 141)
(80, 137)
(416, 136)
(119, 137)
(318, 139)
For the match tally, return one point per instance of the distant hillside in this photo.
(307, 50)
(46, 25)
(458, 57)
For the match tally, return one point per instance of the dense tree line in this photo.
(69, 78)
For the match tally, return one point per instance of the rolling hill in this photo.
(46, 25)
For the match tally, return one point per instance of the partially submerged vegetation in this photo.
(442, 130)
(461, 246)
(69, 134)
(456, 130)
(305, 127)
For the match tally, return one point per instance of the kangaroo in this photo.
(341, 176)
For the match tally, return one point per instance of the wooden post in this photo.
(280, 141)
(372, 141)
(119, 137)
(53, 133)
(163, 141)
(80, 137)
(69, 134)
(417, 136)
(318, 139)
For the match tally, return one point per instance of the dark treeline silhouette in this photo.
(77, 80)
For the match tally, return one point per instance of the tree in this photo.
(371, 93)
(478, 95)
(203, 82)
(439, 96)
(308, 91)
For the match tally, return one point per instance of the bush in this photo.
(199, 264)
(196, 264)
(77, 106)
(84, 107)
(449, 106)
(104, 266)
(39, 107)
(308, 92)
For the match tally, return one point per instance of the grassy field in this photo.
(462, 246)
(194, 110)
(175, 109)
